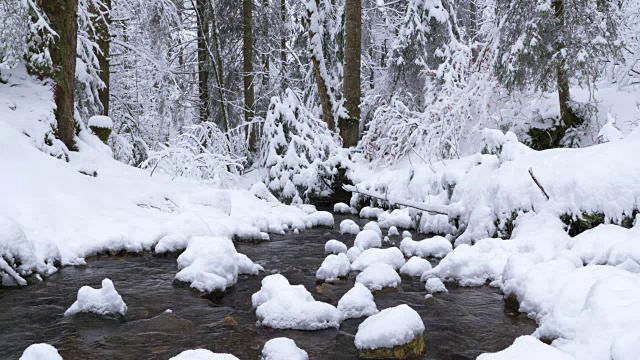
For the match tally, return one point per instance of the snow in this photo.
(370, 212)
(399, 218)
(435, 285)
(101, 121)
(436, 246)
(415, 266)
(341, 208)
(393, 231)
(335, 247)
(357, 302)
(320, 218)
(367, 239)
(527, 348)
(353, 253)
(40, 352)
(372, 225)
(406, 234)
(202, 354)
(281, 305)
(391, 327)
(333, 267)
(283, 349)
(103, 301)
(349, 226)
(212, 263)
(378, 276)
(171, 243)
(391, 256)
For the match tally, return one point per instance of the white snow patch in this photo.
(367, 239)
(202, 354)
(393, 231)
(416, 266)
(370, 212)
(357, 302)
(391, 327)
(436, 246)
(335, 247)
(435, 285)
(103, 301)
(283, 348)
(353, 253)
(378, 276)
(391, 256)
(333, 267)
(527, 348)
(341, 208)
(372, 225)
(101, 121)
(40, 352)
(349, 226)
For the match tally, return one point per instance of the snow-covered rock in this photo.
(171, 243)
(436, 246)
(283, 348)
(40, 352)
(398, 218)
(391, 327)
(212, 264)
(101, 121)
(372, 225)
(435, 285)
(103, 301)
(348, 226)
(370, 212)
(202, 354)
(335, 247)
(333, 267)
(320, 218)
(341, 208)
(406, 234)
(415, 266)
(527, 348)
(378, 276)
(357, 302)
(281, 305)
(391, 256)
(367, 239)
(393, 231)
(353, 253)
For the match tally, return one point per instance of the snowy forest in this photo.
(320, 179)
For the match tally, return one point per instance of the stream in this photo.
(460, 324)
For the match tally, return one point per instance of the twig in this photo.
(538, 183)
(431, 209)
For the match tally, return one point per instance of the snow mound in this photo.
(320, 218)
(367, 239)
(349, 226)
(390, 256)
(406, 234)
(357, 302)
(281, 305)
(261, 191)
(399, 218)
(202, 354)
(341, 208)
(393, 231)
(416, 266)
(171, 243)
(370, 212)
(436, 246)
(283, 348)
(378, 276)
(333, 267)
(102, 301)
(212, 263)
(527, 348)
(391, 327)
(372, 225)
(40, 352)
(101, 121)
(435, 285)
(335, 247)
(353, 253)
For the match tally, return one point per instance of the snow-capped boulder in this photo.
(333, 267)
(367, 239)
(416, 266)
(349, 226)
(379, 276)
(357, 302)
(171, 243)
(528, 348)
(283, 348)
(335, 247)
(391, 256)
(320, 218)
(406, 234)
(202, 354)
(281, 305)
(392, 332)
(353, 253)
(398, 218)
(103, 301)
(370, 212)
(372, 225)
(341, 208)
(40, 352)
(436, 246)
(435, 285)
(393, 231)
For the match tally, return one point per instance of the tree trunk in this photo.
(63, 17)
(473, 28)
(564, 97)
(283, 44)
(247, 68)
(218, 70)
(349, 127)
(104, 43)
(203, 52)
(323, 91)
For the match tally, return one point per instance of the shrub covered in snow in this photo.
(357, 302)
(103, 301)
(378, 276)
(283, 349)
(281, 305)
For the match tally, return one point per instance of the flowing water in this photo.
(459, 325)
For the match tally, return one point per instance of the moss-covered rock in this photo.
(102, 133)
(412, 350)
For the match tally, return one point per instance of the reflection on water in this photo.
(459, 325)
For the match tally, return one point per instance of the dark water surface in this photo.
(459, 325)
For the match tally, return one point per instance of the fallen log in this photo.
(431, 209)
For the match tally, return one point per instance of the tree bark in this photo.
(218, 70)
(283, 44)
(63, 18)
(473, 28)
(349, 127)
(104, 43)
(247, 68)
(203, 52)
(323, 91)
(564, 96)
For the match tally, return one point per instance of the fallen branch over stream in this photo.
(431, 209)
